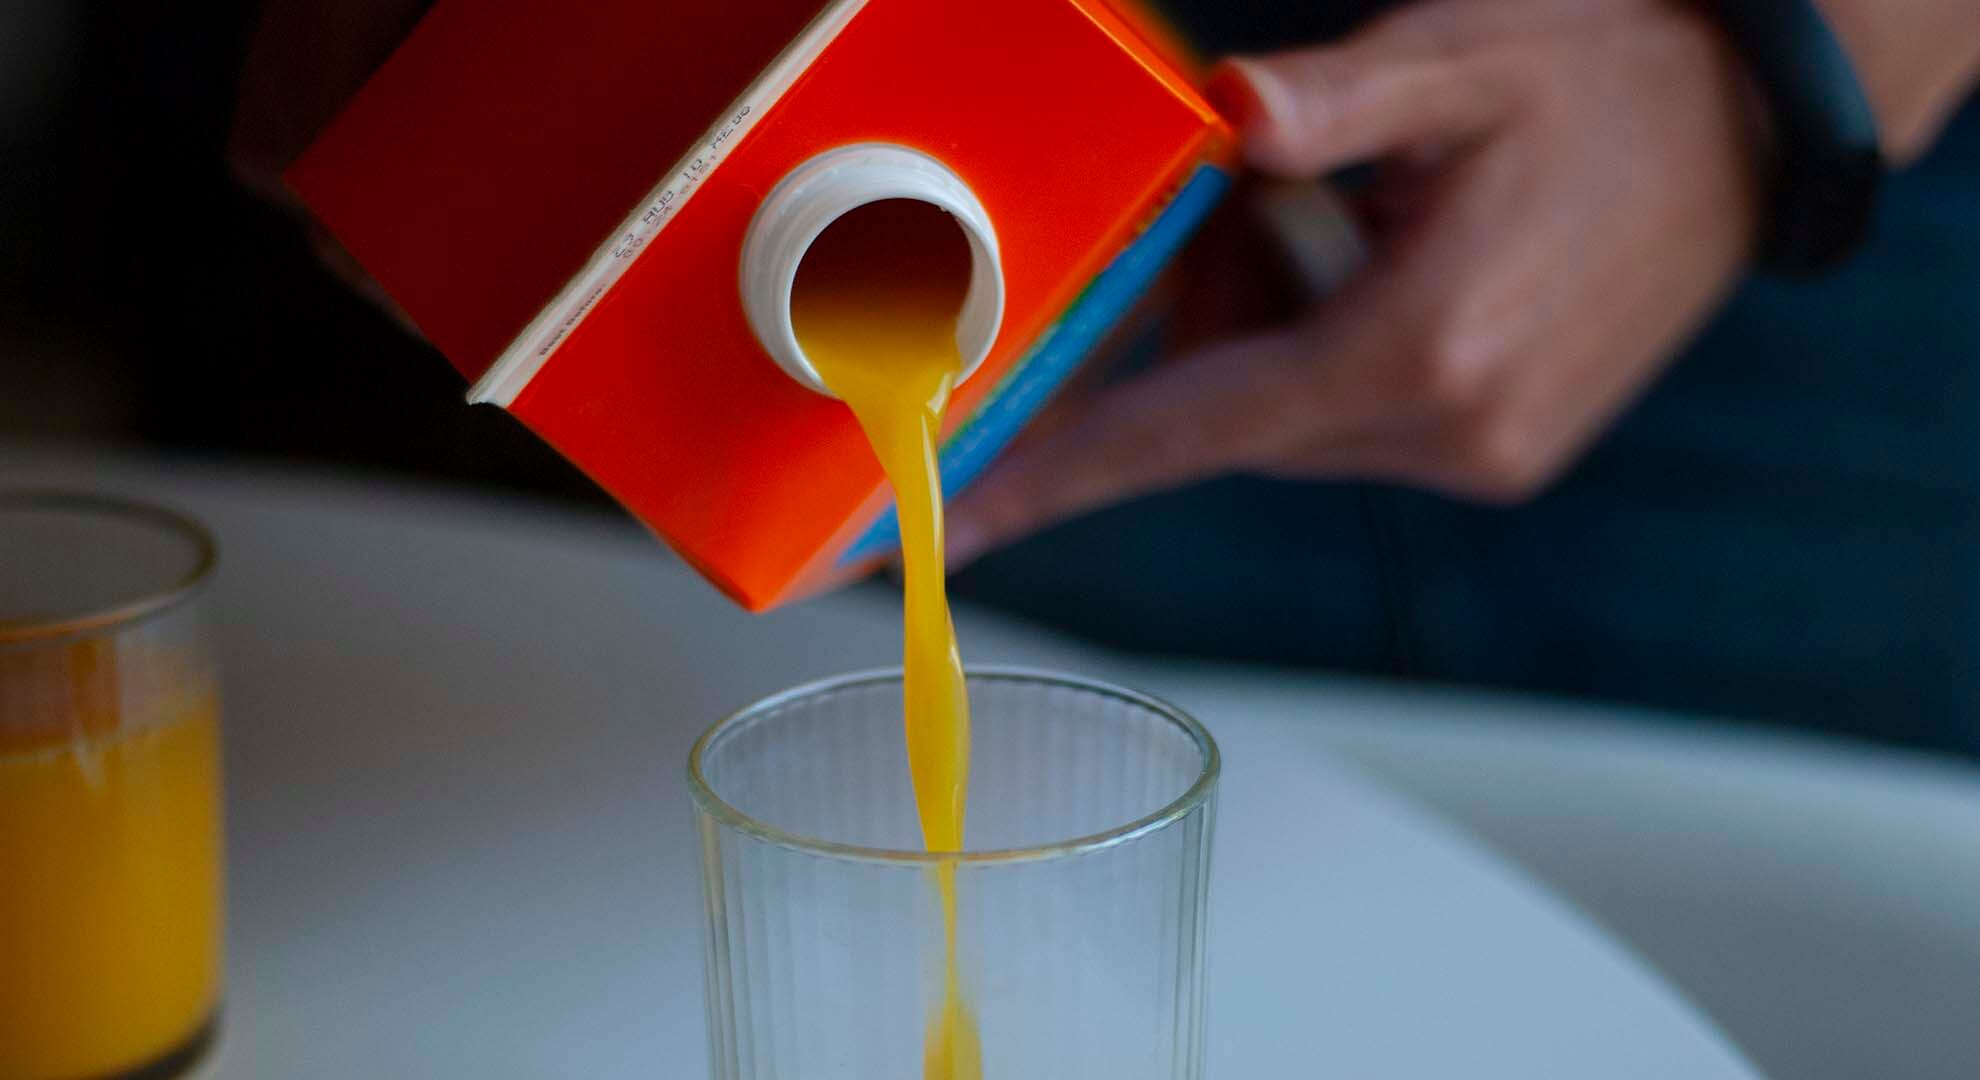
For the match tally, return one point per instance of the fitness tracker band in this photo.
(1826, 166)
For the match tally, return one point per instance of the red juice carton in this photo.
(593, 210)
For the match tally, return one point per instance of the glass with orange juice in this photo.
(110, 821)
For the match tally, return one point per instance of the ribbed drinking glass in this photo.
(1082, 892)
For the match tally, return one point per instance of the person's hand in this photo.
(1565, 189)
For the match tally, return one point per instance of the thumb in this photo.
(1196, 417)
(1307, 112)
(1323, 381)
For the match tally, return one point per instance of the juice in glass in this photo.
(110, 854)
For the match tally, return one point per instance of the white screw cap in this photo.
(826, 188)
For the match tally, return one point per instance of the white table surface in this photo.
(460, 843)
(1820, 898)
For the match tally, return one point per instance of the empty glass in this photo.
(1081, 895)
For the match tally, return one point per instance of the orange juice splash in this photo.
(874, 307)
(109, 875)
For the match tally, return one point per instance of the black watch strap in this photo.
(1826, 165)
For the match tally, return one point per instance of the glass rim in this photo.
(1195, 796)
(116, 616)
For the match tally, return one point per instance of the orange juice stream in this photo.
(109, 880)
(874, 307)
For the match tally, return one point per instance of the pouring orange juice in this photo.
(874, 306)
(930, 210)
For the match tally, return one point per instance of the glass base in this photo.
(179, 1062)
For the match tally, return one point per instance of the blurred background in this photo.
(145, 298)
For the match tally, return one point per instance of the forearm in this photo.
(1918, 59)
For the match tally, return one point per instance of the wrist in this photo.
(1917, 62)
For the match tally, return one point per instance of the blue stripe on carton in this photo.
(1055, 357)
